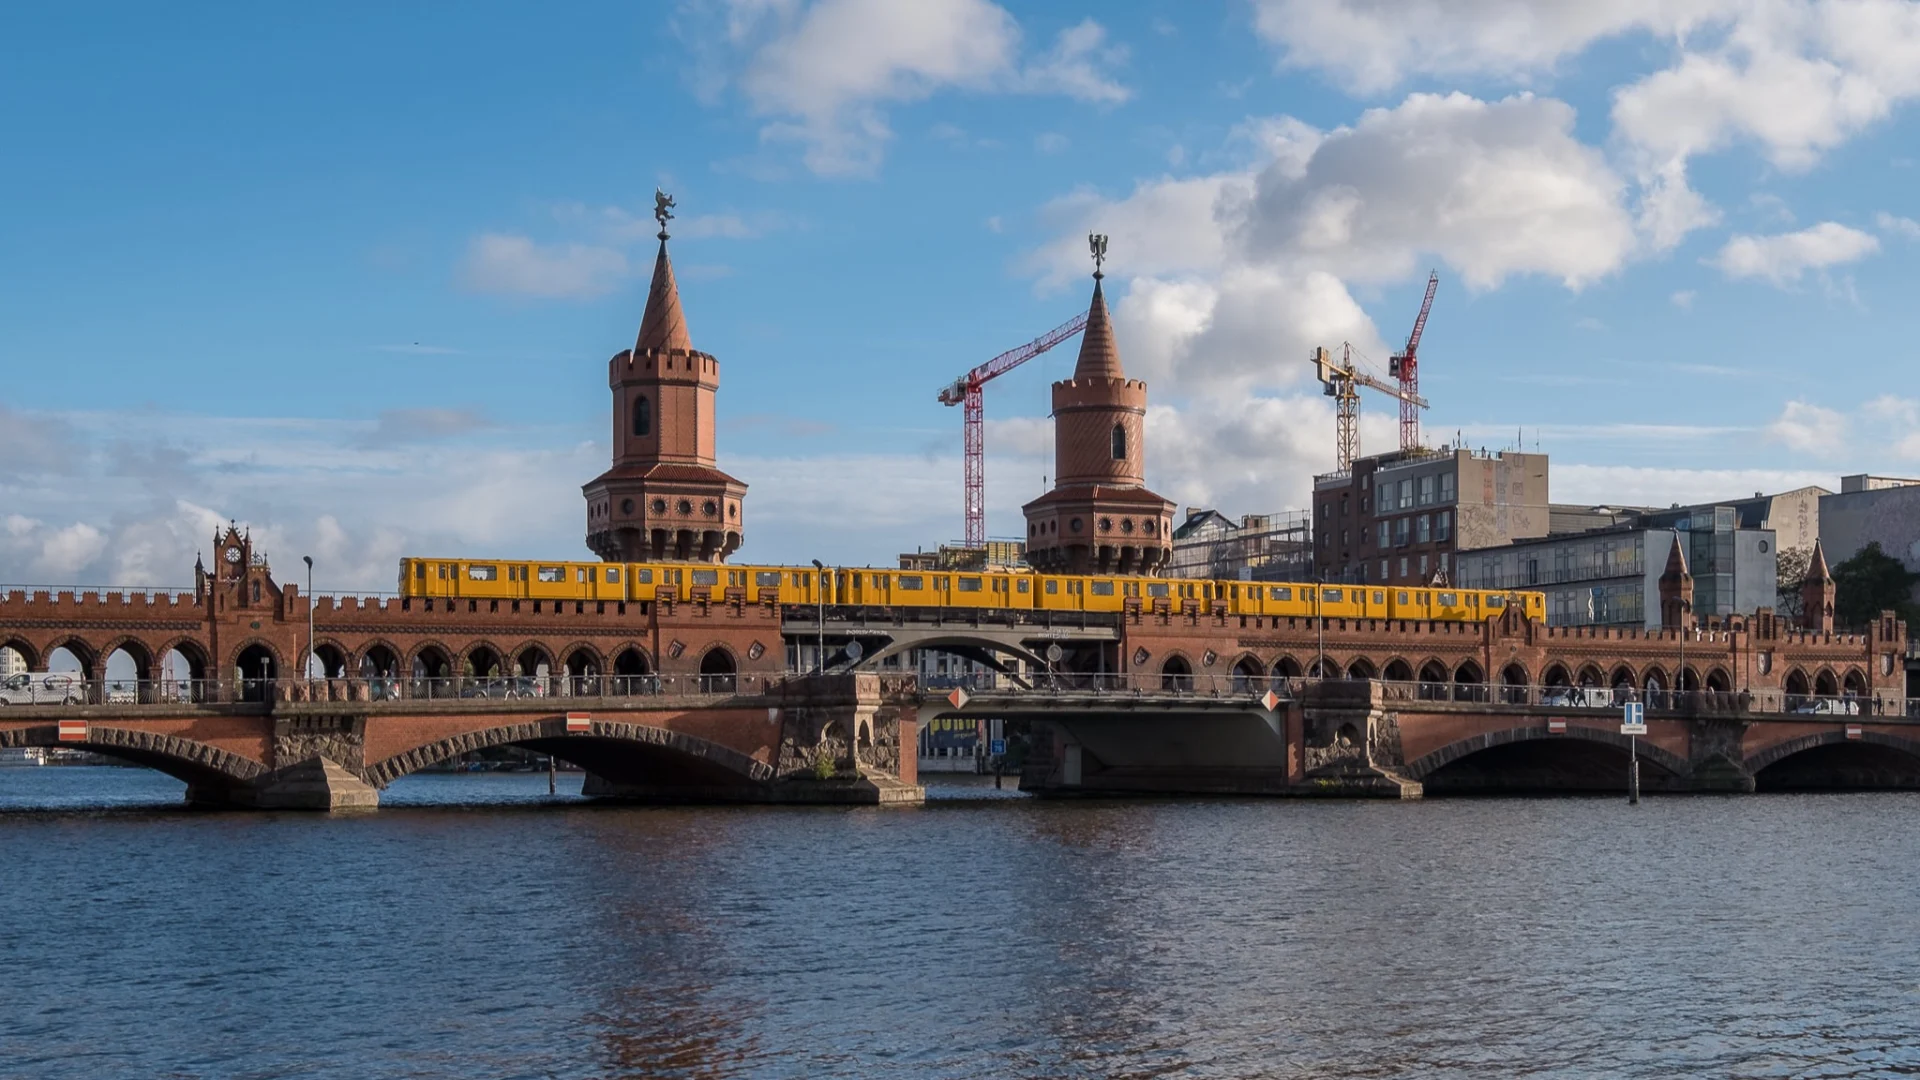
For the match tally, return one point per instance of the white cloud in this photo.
(828, 71)
(1050, 142)
(517, 266)
(1683, 299)
(1904, 227)
(1783, 258)
(1809, 429)
(1627, 485)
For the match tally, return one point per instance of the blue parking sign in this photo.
(999, 746)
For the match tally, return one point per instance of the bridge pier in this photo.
(314, 784)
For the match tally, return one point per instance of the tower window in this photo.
(1119, 442)
(642, 416)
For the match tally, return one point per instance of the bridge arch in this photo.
(635, 753)
(1580, 758)
(1556, 675)
(1825, 685)
(430, 660)
(1360, 668)
(193, 653)
(1718, 680)
(1176, 672)
(1286, 667)
(1795, 683)
(335, 658)
(1514, 683)
(1590, 675)
(1397, 670)
(1853, 684)
(718, 670)
(980, 648)
(378, 658)
(188, 760)
(1249, 674)
(25, 650)
(256, 664)
(482, 660)
(1469, 682)
(1622, 676)
(83, 653)
(529, 658)
(1829, 759)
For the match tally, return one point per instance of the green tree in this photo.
(1871, 582)
(1790, 573)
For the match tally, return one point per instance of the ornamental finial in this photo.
(662, 210)
(1097, 244)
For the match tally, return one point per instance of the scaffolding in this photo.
(1259, 547)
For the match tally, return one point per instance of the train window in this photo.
(940, 583)
(1103, 588)
(1280, 592)
(1403, 598)
(706, 577)
(1052, 587)
(969, 584)
(1155, 588)
(1023, 584)
(1379, 597)
(551, 574)
(1332, 595)
(1448, 599)
(420, 571)
(644, 576)
(767, 577)
(1076, 587)
(912, 581)
(479, 572)
(613, 575)
(1496, 601)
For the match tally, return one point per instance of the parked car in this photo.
(1578, 697)
(41, 688)
(1828, 707)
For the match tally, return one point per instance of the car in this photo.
(1828, 707)
(1578, 697)
(41, 688)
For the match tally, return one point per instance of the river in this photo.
(476, 928)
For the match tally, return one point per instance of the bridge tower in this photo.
(664, 496)
(1817, 593)
(1676, 589)
(1099, 517)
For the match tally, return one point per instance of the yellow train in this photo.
(493, 579)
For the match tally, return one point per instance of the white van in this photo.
(41, 688)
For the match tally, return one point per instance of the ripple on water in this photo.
(518, 934)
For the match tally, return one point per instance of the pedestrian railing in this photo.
(76, 691)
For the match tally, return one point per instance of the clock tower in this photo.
(664, 498)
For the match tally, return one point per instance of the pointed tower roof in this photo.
(664, 326)
(1099, 353)
(1676, 562)
(1817, 572)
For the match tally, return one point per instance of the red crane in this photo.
(967, 390)
(1406, 366)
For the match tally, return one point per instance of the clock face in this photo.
(233, 554)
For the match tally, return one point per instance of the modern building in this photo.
(1872, 509)
(1401, 517)
(1611, 576)
(1100, 516)
(1258, 547)
(11, 663)
(996, 555)
(664, 497)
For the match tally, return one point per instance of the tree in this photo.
(1871, 582)
(1790, 573)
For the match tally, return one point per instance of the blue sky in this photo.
(351, 275)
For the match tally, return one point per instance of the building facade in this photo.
(1258, 547)
(1100, 516)
(1611, 577)
(1400, 518)
(664, 497)
(1872, 510)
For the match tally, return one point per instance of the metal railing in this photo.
(135, 692)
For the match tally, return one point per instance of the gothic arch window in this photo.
(1119, 442)
(642, 416)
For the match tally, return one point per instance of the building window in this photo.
(1403, 566)
(1443, 562)
(1406, 494)
(1426, 490)
(1343, 504)
(1423, 529)
(1385, 502)
(1383, 534)
(1383, 569)
(1343, 538)
(1443, 526)
(1423, 566)
(1119, 442)
(1400, 532)
(1446, 487)
(642, 417)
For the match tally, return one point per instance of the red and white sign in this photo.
(73, 731)
(1556, 727)
(957, 699)
(1270, 700)
(1853, 731)
(579, 723)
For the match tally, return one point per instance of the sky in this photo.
(350, 274)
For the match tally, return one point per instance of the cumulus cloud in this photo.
(514, 265)
(1887, 423)
(1903, 227)
(825, 73)
(1782, 259)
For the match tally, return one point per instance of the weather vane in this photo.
(1097, 244)
(662, 210)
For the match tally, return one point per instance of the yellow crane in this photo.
(1342, 382)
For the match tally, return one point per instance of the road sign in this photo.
(855, 650)
(957, 699)
(579, 723)
(1633, 718)
(999, 746)
(1270, 700)
(73, 731)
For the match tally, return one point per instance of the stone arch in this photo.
(1853, 684)
(1718, 681)
(125, 669)
(29, 655)
(1360, 668)
(1622, 676)
(529, 658)
(1324, 667)
(1249, 675)
(1515, 684)
(584, 666)
(1469, 682)
(1286, 667)
(196, 763)
(334, 658)
(378, 659)
(719, 673)
(1846, 756)
(1176, 673)
(1433, 681)
(1397, 670)
(83, 654)
(632, 671)
(1825, 685)
(482, 660)
(1795, 683)
(1666, 760)
(431, 669)
(605, 745)
(1556, 675)
(256, 664)
(1590, 675)
(192, 684)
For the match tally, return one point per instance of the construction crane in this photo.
(966, 390)
(1405, 366)
(1343, 382)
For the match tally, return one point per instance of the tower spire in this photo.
(663, 327)
(1099, 353)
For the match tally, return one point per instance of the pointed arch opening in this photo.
(717, 671)
(642, 416)
(1119, 440)
(632, 673)
(1176, 674)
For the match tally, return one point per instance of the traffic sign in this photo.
(999, 746)
(1633, 718)
(1271, 700)
(958, 699)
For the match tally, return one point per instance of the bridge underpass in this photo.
(1005, 641)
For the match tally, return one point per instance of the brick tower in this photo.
(664, 497)
(1676, 589)
(1817, 593)
(1099, 517)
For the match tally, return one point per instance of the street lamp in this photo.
(306, 662)
(820, 641)
(1320, 626)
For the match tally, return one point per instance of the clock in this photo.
(233, 554)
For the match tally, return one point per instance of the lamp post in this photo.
(306, 662)
(1320, 626)
(820, 639)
